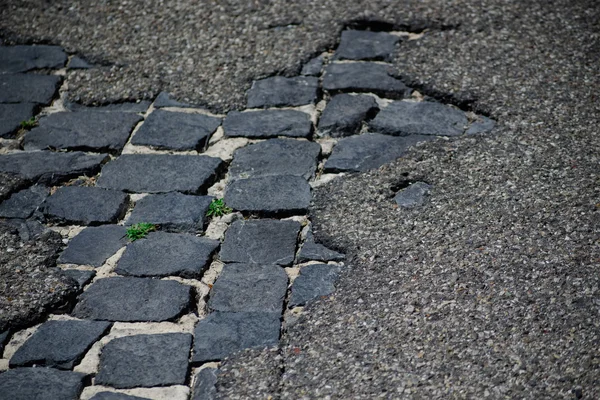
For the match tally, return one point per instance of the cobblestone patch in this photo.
(366, 45)
(40, 383)
(28, 88)
(279, 91)
(315, 280)
(267, 124)
(313, 67)
(413, 196)
(24, 203)
(204, 384)
(345, 113)
(312, 251)
(26, 58)
(11, 116)
(94, 245)
(363, 77)
(82, 277)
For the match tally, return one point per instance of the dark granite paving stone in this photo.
(344, 114)
(176, 130)
(167, 254)
(25, 58)
(369, 151)
(413, 196)
(156, 173)
(78, 63)
(125, 107)
(59, 344)
(313, 67)
(49, 167)
(222, 333)
(81, 277)
(11, 116)
(89, 130)
(133, 300)
(164, 100)
(204, 384)
(116, 396)
(312, 251)
(85, 205)
(268, 124)
(94, 245)
(270, 195)
(366, 45)
(40, 384)
(279, 91)
(3, 340)
(401, 118)
(249, 287)
(22, 204)
(28, 88)
(275, 157)
(173, 212)
(315, 280)
(482, 125)
(363, 77)
(261, 241)
(145, 361)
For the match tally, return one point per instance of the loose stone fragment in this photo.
(401, 118)
(261, 241)
(275, 157)
(413, 196)
(59, 344)
(24, 203)
(313, 67)
(279, 91)
(164, 100)
(85, 205)
(268, 124)
(40, 383)
(366, 45)
(145, 361)
(94, 245)
(345, 113)
(315, 280)
(312, 251)
(167, 254)
(156, 173)
(176, 131)
(11, 116)
(25, 58)
(133, 300)
(222, 333)
(116, 396)
(28, 88)
(80, 276)
(363, 77)
(78, 63)
(482, 125)
(204, 384)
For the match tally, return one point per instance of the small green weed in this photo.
(217, 208)
(29, 123)
(139, 231)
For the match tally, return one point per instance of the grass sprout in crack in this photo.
(218, 208)
(139, 231)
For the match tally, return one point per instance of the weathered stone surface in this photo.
(126, 107)
(344, 114)
(366, 45)
(204, 384)
(313, 67)
(363, 77)
(174, 212)
(279, 91)
(3, 339)
(93, 245)
(116, 396)
(80, 276)
(164, 100)
(10, 183)
(312, 251)
(59, 344)
(271, 195)
(22, 204)
(268, 124)
(176, 130)
(11, 116)
(78, 63)
(28, 88)
(25, 58)
(481, 125)
(401, 118)
(413, 196)
(40, 384)
(369, 151)
(315, 280)
(133, 300)
(85, 205)
(145, 361)
(261, 241)
(249, 287)
(222, 333)
(275, 157)
(84, 130)
(156, 173)
(167, 254)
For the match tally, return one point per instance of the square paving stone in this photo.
(83, 205)
(28, 88)
(145, 361)
(59, 344)
(278, 91)
(261, 241)
(133, 300)
(11, 116)
(23, 204)
(363, 77)
(275, 157)
(344, 114)
(82, 277)
(205, 384)
(167, 254)
(222, 333)
(413, 196)
(268, 124)
(40, 384)
(312, 251)
(174, 212)
(244, 287)
(269, 195)
(94, 245)
(314, 281)
(116, 396)
(366, 45)
(313, 67)
(25, 58)
(159, 173)
(84, 130)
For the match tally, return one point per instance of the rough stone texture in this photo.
(116, 396)
(164, 100)
(140, 106)
(11, 116)
(40, 384)
(78, 63)
(345, 113)
(24, 203)
(25, 58)
(133, 300)
(313, 67)
(369, 151)
(28, 88)
(93, 245)
(204, 384)
(176, 131)
(10, 183)
(363, 77)
(251, 288)
(167, 254)
(268, 124)
(366, 45)
(145, 361)
(82, 277)
(312, 251)
(481, 125)
(155, 173)
(275, 157)
(86, 131)
(83, 205)
(262, 241)
(314, 281)
(59, 344)
(174, 212)
(222, 333)
(279, 91)
(3, 339)
(269, 195)
(413, 196)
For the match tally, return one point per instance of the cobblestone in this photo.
(267, 124)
